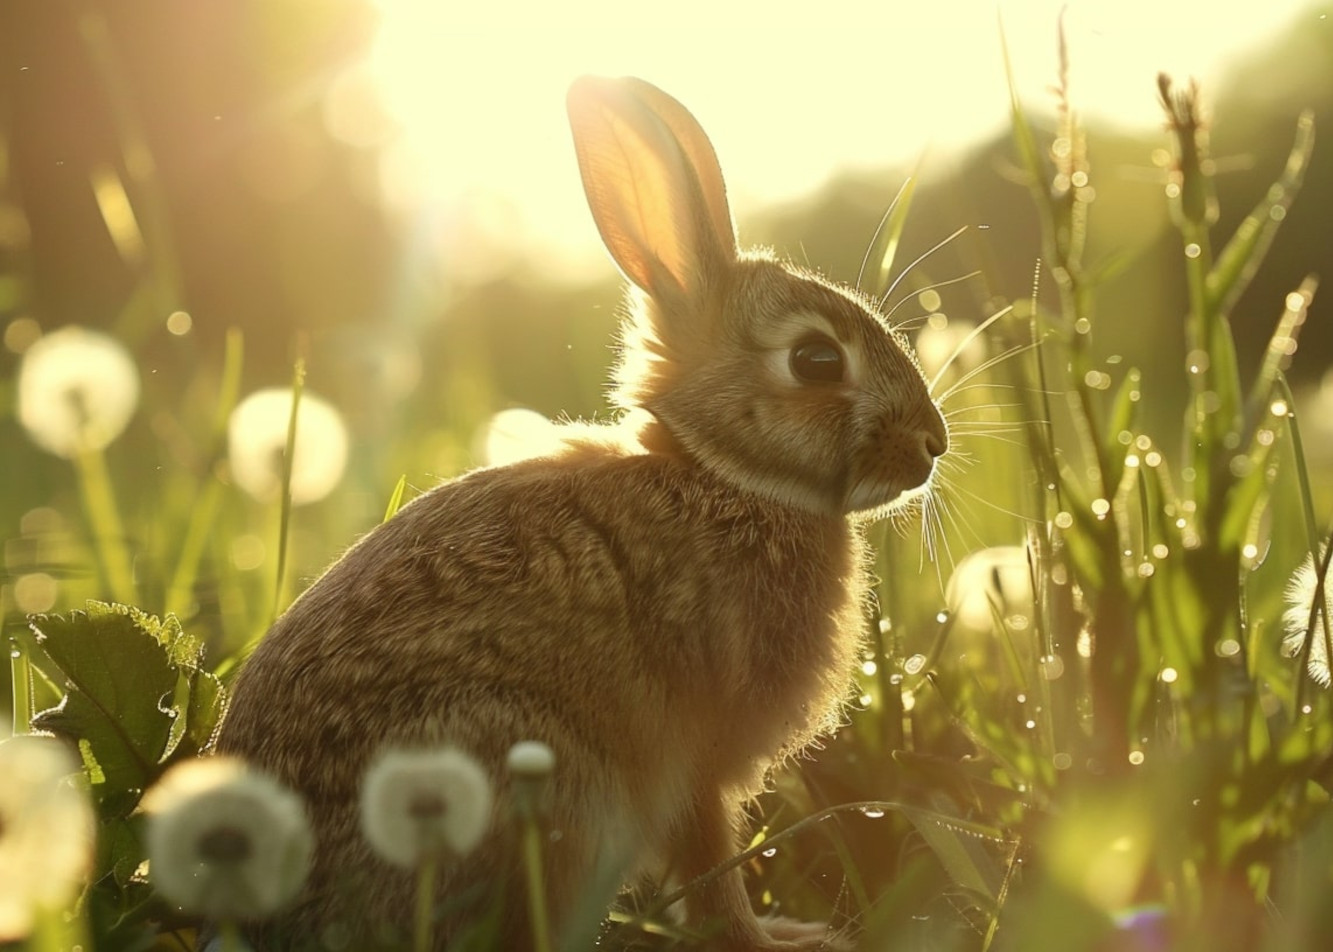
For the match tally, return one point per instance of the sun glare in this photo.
(466, 103)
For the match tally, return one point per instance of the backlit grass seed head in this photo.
(257, 439)
(46, 830)
(1301, 591)
(226, 842)
(77, 390)
(421, 803)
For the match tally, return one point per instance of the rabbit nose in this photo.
(935, 433)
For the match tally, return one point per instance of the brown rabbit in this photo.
(672, 602)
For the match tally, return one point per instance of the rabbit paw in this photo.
(793, 935)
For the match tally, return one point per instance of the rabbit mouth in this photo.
(873, 498)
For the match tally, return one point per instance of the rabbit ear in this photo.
(653, 184)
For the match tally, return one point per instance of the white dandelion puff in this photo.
(46, 830)
(991, 581)
(416, 804)
(257, 439)
(226, 842)
(1301, 591)
(77, 390)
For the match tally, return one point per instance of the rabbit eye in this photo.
(817, 361)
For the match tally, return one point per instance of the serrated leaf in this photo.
(122, 673)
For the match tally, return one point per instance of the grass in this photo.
(1095, 744)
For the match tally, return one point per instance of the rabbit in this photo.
(673, 601)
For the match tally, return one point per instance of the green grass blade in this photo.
(1240, 259)
(888, 235)
(396, 498)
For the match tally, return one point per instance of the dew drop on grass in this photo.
(872, 813)
(1192, 250)
(770, 852)
(1063, 520)
(1228, 648)
(1100, 507)
(1062, 761)
(914, 664)
(942, 617)
(1052, 667)
(1136, 757)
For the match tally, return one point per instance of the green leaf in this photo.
(133, 693)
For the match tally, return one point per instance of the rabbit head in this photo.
(766, 374)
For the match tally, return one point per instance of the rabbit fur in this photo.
(673, 602)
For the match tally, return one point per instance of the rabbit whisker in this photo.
(962, 345)
(920, 258)
(929, 287)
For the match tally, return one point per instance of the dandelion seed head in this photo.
(517, 434)
(531, 758)
(418, 802)
(46, 830)
(257, 439)
(938, 342)
(226, 842)
(1296, 619)
(988, 582)
(77, 390)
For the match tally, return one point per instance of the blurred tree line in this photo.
(273, 229)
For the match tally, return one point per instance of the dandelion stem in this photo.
(279, 588)
(99, 502)
(20, 669)
(532, 861)
(425, 912)
(229, 936)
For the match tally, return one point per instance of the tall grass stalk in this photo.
(108, 532)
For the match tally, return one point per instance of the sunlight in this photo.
(466, 103)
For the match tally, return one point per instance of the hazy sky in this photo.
(789, 93)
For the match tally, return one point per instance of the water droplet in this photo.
(1022, 699)
(770, 852)
(942, 617)
(1136, 757)
(1153, 458)
(1100, 507)
(1052, 667)
(914, 664)
(1063, 520)
(1192, 250)
(1124, 437)
(895, 678)
(1029, 724)
(868, 668)
(1160, 550)
(1062, 761)
(1132, 460)
(1146, 569)
(1169, 675)
(873, 813)
(1279, 408)
(1228, 648)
